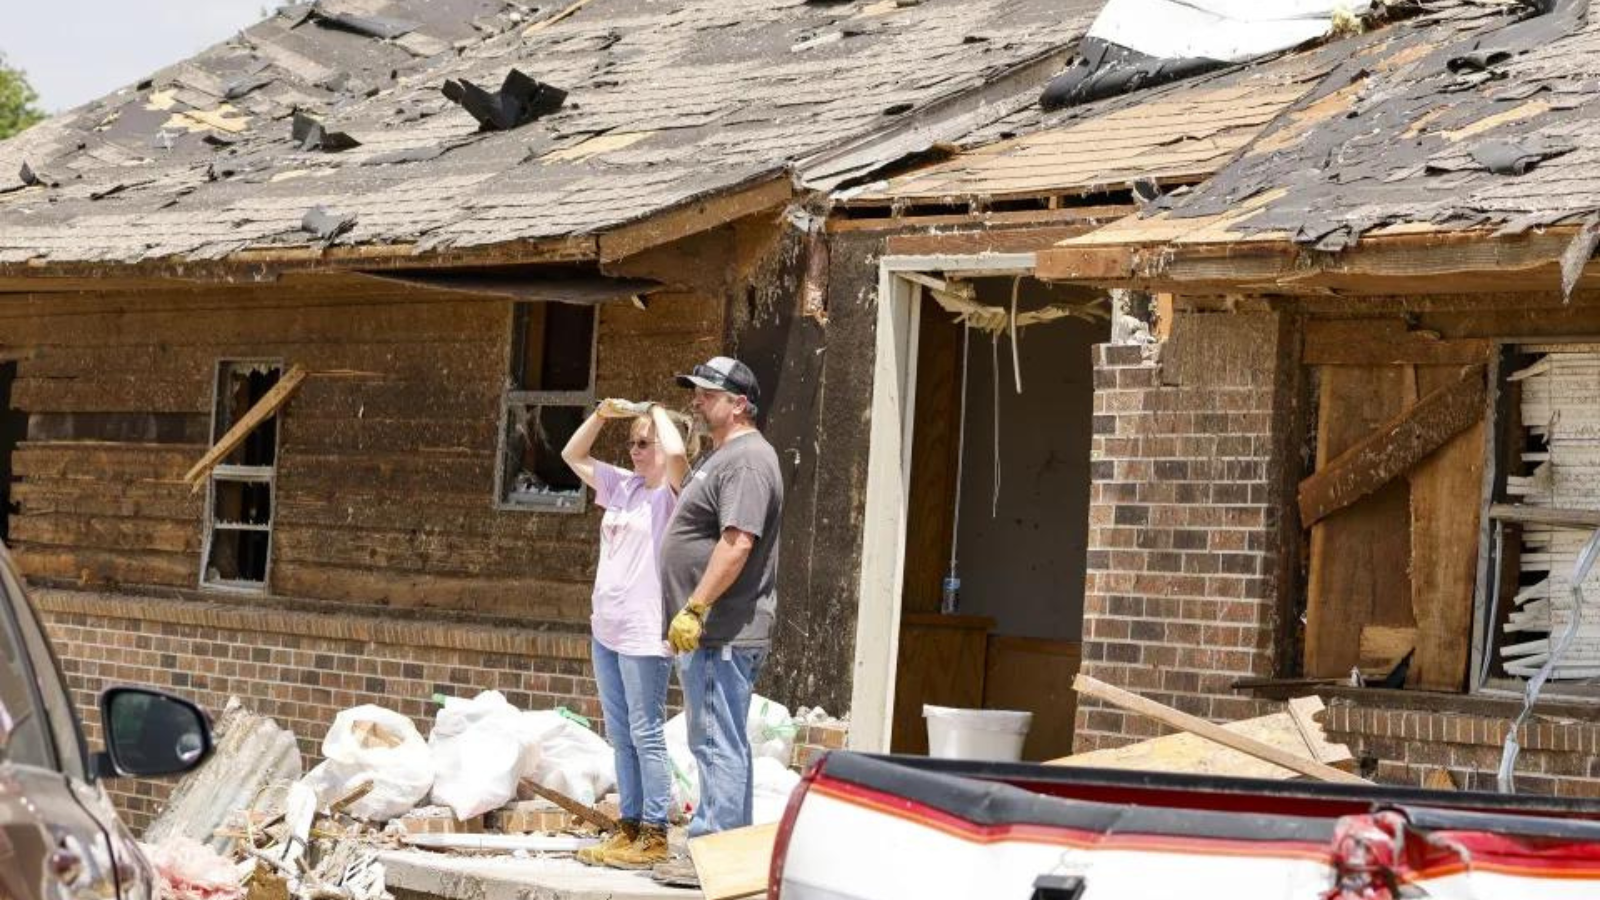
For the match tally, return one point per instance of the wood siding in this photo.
(386, 467)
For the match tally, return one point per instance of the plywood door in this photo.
(1445, 489)
(1360, 555)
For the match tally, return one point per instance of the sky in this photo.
(76, 50)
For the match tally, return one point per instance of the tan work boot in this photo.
(644, 853)
(627, 832)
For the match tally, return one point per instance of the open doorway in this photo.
(996, 500)
(13, 431)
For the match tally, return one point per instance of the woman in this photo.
(631, 661)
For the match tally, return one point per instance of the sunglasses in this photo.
(639, 444)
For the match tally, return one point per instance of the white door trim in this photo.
(883, 546)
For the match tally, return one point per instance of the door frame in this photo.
(883, 540)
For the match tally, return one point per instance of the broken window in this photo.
(1548, 506)
(238, 544)
(551, 390)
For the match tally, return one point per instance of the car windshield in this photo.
(23, 738)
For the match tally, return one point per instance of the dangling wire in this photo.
(961, 449)
(994, 503)
(1016, 358)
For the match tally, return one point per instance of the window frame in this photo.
(240, 474)
(515, 398)
(1488, 598)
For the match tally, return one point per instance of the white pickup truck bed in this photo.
(898, 828)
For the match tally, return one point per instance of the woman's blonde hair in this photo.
(684, 423)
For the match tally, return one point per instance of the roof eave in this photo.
(1425, 262)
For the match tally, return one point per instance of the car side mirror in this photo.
(150, 733)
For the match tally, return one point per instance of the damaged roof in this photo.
(341, 108)
(1176, 134)
(1478, 115)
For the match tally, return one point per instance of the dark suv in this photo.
(59, 837)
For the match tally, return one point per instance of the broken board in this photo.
(734, 863)
(1192, 754)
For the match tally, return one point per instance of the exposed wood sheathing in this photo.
(1180, 137)
(385, 488)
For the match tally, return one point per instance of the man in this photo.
(719, 564)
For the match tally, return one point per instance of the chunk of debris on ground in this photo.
(1280, 746)
(252, 754)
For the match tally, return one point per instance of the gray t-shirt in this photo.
(737, 486)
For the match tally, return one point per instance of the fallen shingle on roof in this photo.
(1422, 129)
(666, 102)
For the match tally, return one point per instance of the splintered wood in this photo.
(1559, 413)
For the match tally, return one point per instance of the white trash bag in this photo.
(566, 756)
(478, 749)
(370, 743)
(771, 731)
(774, 782)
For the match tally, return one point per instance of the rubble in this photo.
(253, 754)
(489, 779)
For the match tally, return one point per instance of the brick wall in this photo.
(301, 668)
(1181, 597)
(1416, 747)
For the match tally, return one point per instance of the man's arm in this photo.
(722, 570)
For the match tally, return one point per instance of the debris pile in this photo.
(489, 778)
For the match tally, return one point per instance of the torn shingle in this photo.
(313, 135)
(326, 225)
(381, 27)
(520, 100)
(1516, 158)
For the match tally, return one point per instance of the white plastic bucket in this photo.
(982, 734)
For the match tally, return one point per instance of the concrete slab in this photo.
(453, 877)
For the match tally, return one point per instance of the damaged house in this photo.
(291, 333)
(1379, 387)
(1314, 330)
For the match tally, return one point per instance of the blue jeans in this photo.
(633, 697)
(717, 684)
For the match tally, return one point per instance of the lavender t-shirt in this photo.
(627, 585)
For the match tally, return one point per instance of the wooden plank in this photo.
(1394, 447)
(1445, 498)
(734, 863)
(1582, 519)
(1360, 558)
(941, 661)
(1173, 718)
(1035, 675)
(1382, 646)
(528, 789)
(1378, 342)
(529, 598)
(694, 217)
(96, 567)
(1192, 754)
(264, 409)
(966, 243)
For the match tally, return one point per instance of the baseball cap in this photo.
(724, 373)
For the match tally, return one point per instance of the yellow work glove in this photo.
(684, 632)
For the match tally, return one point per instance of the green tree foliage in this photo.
(17, 101)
